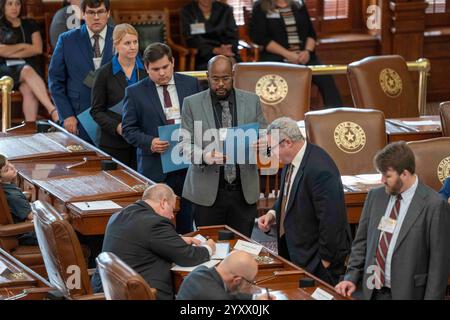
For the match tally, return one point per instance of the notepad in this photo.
(208, 264)
(222, 250)
(97, 205)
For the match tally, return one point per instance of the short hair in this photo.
(2, 161)
(121, 30)
(218, 58)
(157, 192)
(156, 51)
(94, 4)
(397, 156)
(287, 128)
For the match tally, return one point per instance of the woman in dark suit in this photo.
(113, 78)
(284, 30)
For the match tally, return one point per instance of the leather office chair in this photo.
(444, 112)
(351, 136)
(284, 89)
(432, 160)
(120, 281)
(62, 252)
(154, 26)
(10, 232)
(383, 83)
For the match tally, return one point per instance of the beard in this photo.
(221, 97)
(395, 189)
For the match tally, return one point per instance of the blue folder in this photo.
(171, 159)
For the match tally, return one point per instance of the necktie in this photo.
(167, 102)
(227, 122)
(96, 46)
(385, 240)
(286, 189)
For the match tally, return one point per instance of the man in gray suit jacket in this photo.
(402, 246)
(222, 194)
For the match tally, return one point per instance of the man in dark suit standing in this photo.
(230, 280)
(77, 55)
(313, 231)
(153, 102)
(401, 249)
(143, 236)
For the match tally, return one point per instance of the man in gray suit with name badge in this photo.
(402, 247)
(221, 193)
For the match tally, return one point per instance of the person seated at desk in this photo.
(112, 79)
(20, 46)
(143, 236)
(209, 26)
(17, 201)
(284, 30)
(445, 191)
(228, 281)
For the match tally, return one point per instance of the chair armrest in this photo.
(95, 296)
(15, 229)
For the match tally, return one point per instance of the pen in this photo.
(87, 205)
(268, 295)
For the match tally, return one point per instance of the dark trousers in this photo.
(331, 275)
(382, 294)
(125, 155)
(230, 208)
(184, 221)
(327, 87)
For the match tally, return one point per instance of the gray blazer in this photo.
(421, 261)
(202, 181)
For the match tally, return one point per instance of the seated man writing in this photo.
(143, 236)
(17, 201)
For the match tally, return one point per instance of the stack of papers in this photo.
(97, 205)
(208, 264)
(222, 248)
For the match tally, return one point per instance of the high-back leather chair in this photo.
(383, 83)
(62, 252)
(10, 232)
(153, 26)
(284, 89)
(120, 281)
(350, 136)
(444, 112)
(432, 160)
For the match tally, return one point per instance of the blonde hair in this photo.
(121, 30)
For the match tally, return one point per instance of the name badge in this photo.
(273, 15)
(198, 28)
(223, 134)
(97, 63)
(387, 224)
(172, 113)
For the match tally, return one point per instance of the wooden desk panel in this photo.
(275, 273)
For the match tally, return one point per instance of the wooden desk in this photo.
(399, 130)
(274, 272)
(20, 282)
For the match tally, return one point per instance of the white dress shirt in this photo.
(172, 89)
(101, 42)
(296, 162)
(407, 196)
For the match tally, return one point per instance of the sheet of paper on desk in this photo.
(97, 205)
(200, 237)
(222, 250)
(422, 123)
(208, 264)
(370, 178)
(349, 180)
(249, 247)
(321, 294)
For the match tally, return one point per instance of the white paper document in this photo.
(249, 247)
(97, 205)
(321, 294)
(15, 62)
(3, 267)
(208, 264)
(222, 250)
(200, 237)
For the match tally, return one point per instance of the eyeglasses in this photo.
(248, 282)
(274, 146)
(99, 13)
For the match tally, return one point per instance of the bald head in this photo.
(158, 192)
(221, 62)
(241, 264)
(220, 76)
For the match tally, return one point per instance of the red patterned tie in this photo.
(385, 240)
(167, 102)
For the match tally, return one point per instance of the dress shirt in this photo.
(101, 42)
(172, 92)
